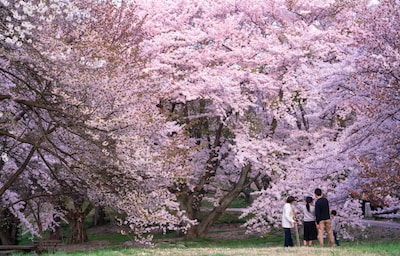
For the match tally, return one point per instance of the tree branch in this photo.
(20, 170)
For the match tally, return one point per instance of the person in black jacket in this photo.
(322, 216)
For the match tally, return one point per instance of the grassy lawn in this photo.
(391, 249)
(171, 244)
(227, 239)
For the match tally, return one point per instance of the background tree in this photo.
(360, 105)
(370, 90)
(244, 81)
(376, 81)
(73, 102)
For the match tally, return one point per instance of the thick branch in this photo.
(225, 201)
(20, 170)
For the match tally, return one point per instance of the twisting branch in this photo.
(20, 170)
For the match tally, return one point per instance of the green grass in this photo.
(238, 202)
(253, 242)
(378, 248)
(112, 238)
(247, 248)
(271, 244)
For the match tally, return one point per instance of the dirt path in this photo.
(382, 223)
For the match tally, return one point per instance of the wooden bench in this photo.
(7, 249)
(40, 247)
(44, 245)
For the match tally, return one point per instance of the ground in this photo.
(220, 231)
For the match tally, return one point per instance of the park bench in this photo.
(47, 245)
(40, 246)
(8, 249)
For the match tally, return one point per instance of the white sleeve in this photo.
(288, 213)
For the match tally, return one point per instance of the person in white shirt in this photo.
(309, 224)
(288, 221)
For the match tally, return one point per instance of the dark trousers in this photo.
(335, 235)
(288, 237)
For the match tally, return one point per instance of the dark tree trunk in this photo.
(201, 230)
(76, 217)
(5, 238)
(9, 236)
(78, 228)
(56, 233)
(8, 228)
(247, 192)
(193, 232)
(205, 225)
(99, 217)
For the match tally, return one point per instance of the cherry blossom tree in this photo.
(375, 82)
(244, 79)
(74, 104)
(359, 109)
(152, 107)
(262, 89)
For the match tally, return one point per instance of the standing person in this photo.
(322, 216)
(335, 226)
(310, 227)
(288, 220)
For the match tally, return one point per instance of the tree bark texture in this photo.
(8, 228)
(202, 229)
(76, 217)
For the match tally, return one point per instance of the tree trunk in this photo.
(99, 217)
(185, 199)
(9, 236)
(8, 228)
(76, 217)
(4, 238)
(190, 199)
(202, 229)
(78, 228)
(247, 192)
(192, 232)
(55, 234)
